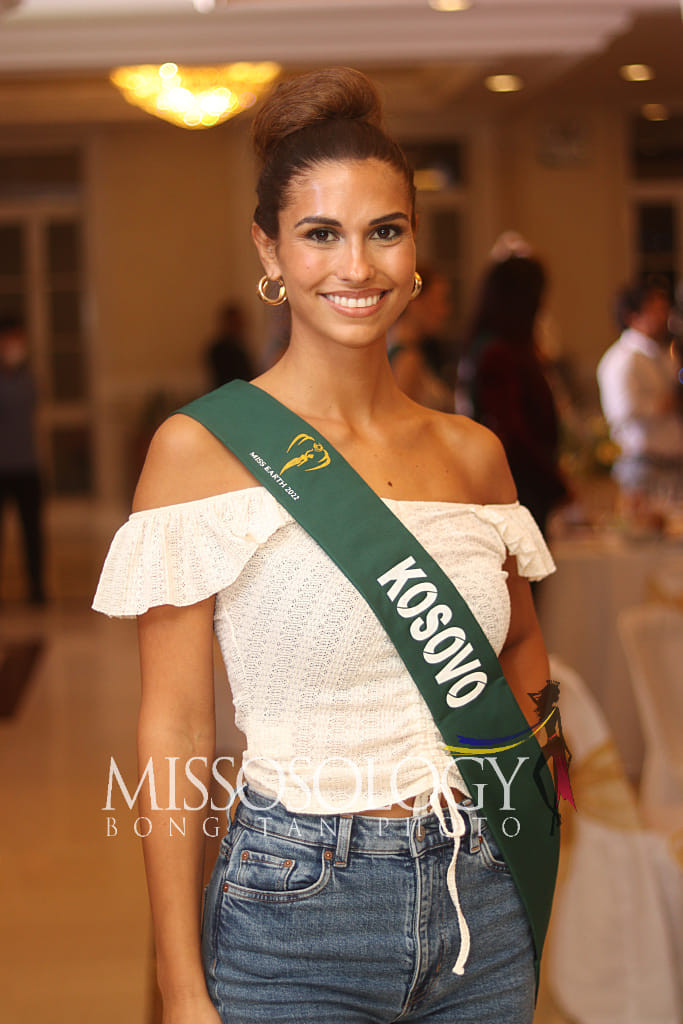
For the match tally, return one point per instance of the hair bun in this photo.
(325, 95)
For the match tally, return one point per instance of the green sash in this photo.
(434, 631)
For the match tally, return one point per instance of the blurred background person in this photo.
(502, 381)
(675, 326)
(277, 335)
(637, 377)
(416, 344)
(227, 354)
(19, 473)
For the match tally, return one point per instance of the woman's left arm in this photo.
(524, 659)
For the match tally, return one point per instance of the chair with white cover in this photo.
(652, 637)
(666, 584)
(610, 956)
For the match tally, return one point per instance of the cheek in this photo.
(404, 263)
(306, 269)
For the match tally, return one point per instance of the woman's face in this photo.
(346, 251)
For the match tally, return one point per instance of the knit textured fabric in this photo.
(334, 723)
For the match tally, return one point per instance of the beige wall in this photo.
(168, 215)
(576, 215)
(169, 219)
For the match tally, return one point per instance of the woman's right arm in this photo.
(177, 721)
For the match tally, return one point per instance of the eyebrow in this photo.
(331, 222)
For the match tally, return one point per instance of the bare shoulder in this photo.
(185, 462)
(483, 458)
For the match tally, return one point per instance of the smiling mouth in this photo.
(354, 301)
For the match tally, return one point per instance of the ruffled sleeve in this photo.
(182, 554)
(522, 537)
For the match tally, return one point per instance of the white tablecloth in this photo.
(596, 577)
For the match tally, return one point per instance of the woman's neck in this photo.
(349, 387)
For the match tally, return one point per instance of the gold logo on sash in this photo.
(313, 451)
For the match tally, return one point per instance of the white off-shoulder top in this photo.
(314, 677)
(334, 723)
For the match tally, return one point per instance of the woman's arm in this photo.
(524, 659)
(177, 721)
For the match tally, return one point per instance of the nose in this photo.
(355, 265)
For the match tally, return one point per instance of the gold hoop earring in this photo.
(417, 286)
(281, 295)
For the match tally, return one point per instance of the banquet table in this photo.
(597, 576)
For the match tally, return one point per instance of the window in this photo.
(657, 148)
(42, 283)
(657, 240)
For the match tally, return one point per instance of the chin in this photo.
(354, 334)
(360, 339)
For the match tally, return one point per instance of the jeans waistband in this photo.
(356, 832)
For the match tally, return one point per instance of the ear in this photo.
(267, 250)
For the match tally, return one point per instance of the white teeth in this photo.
(354, 303)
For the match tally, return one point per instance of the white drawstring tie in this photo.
(455, 833)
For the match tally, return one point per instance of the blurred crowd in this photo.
(507, 371)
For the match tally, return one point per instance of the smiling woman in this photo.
(348, 266)
(336, 207)
(270, 512)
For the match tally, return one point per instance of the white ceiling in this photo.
(93, 35)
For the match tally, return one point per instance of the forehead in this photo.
(350, 189)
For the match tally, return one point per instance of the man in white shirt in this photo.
(638, 392)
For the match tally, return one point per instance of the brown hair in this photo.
(333, 114)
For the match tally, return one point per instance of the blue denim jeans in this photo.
(347, 919)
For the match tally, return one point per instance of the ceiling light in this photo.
(203, 6)
(194, 97)
(655, 112)
(636, 72)
(450, 5)
(504, 83)
(430, 179)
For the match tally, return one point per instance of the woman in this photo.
(314, 915)
(502, 382)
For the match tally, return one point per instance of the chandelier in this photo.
(194, 97)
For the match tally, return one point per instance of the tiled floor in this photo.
(74, 932)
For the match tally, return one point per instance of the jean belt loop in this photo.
(341, 852)
(473, 823)
(475, 832)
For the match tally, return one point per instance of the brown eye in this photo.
(321, 235)
(388, 232)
